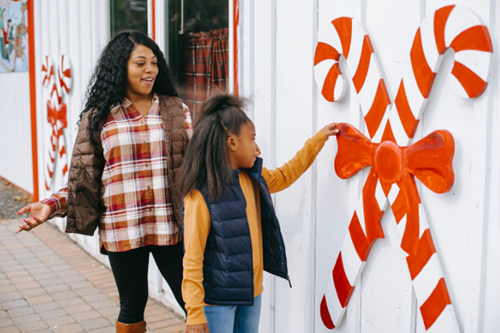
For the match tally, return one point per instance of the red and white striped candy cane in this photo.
(49, 82)
(345, 36)
(64, 76)
(454, 27)
(48, 73)
(450, 27)
(56, 114)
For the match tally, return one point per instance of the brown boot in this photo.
(131, 328)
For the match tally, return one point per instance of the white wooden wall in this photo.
(15, 130)
(278, 40)
(78, 29)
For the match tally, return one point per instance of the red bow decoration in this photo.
(430, 160)
(56, 113)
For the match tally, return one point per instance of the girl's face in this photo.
(243, 150)
(142, 69)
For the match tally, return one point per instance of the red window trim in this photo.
(32, 75)
(236, 23)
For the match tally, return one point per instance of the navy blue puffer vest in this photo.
(228, 264)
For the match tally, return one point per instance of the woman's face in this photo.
(142, 69)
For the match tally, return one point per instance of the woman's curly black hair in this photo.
(107, 84)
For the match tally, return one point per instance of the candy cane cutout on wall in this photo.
(57, 86)
(394, 166)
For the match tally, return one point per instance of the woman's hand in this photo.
(331, 129)
(39, 213)
(202, 328)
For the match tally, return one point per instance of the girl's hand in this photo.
(39, 213)
(331, 129)
(202, 328)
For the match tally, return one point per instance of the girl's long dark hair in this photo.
(107, 84)
(206, 162)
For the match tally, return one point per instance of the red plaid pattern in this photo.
(135, 188)
(207, 68)
(57, 202)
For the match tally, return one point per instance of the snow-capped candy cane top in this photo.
(345, 36)
(48, 77)
(64, 73)
(454, 27)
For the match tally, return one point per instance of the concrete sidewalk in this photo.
(49, 284)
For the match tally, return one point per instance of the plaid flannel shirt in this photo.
(135, 189)
(207, 67)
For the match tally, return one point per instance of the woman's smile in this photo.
(148, 80)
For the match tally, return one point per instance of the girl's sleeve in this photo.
(281, 178)
(58, 203)
(196, 228)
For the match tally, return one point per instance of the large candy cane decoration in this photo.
(391, 178)
(58, 84)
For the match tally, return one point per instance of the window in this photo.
(198, 48)
(128, 15)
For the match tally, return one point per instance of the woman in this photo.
(131, 141)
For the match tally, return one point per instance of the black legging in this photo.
(130, 269)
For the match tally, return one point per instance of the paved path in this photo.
(50, 284)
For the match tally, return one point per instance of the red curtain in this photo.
(207, 68)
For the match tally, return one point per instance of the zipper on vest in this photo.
(289, 282)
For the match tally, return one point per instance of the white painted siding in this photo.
(315, 212)
(15, 130)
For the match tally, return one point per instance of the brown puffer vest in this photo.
(84, 204)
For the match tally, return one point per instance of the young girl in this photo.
(231, 232)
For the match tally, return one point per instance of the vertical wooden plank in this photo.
(491, 320)
(150, 17)
(294, 119)
(246, 50)
(59, 47)
(43, 49)
(94, 25)
(458, 218)
(53, 18)
(161, 22)
(335, 198)
(104, 25)
(76, 97)
(477, 241)
(47, 50)
(64, 38)
(314, 172)
(157, 25)
(62, 19)
(264, 116)
(15, 128)
(75, 100)
(86, 58)
(101, 38)
(387, 297)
